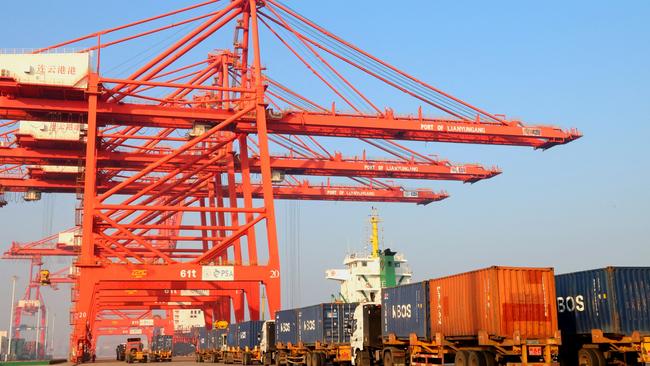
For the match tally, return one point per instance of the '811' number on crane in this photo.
(188, 273)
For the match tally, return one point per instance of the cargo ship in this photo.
(366, 273)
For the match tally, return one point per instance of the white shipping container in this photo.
(186, 319)
(64, 69)
(70, 238)
(28, 303)
(63, 131)
(146, 322)
(60, 169)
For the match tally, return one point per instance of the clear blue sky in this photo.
(581, 64)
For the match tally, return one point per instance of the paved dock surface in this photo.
(176, 361)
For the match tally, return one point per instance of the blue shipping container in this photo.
(406, 311)
(217, 339)
(286, 327)
(614, 299)
(202, 338)
(249, 333)
(325, 323)
(232, 339)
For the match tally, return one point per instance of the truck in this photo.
(243, 343)
(135, 351)
(493, 316)
(604, 316)
(314, 335)
(161, 348)
(210, 344)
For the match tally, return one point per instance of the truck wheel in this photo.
(362, 358)
(601, 357)
(388, 359)
(590, 357)
(318, 359)
(461, 359)
(475, 359)
(489, 358)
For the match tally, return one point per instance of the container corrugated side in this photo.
(346, 314)
(249, 333)
(632, 286)
(325, 323)
(202, 338)
(217, 338)
(502, 301)
(286, 327)
(615, 300)
(232, 339)
(406, 310)
(318, 323)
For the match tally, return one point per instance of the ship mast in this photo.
(374, 237)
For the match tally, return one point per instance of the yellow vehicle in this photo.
(135, 351)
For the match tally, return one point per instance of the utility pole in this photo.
(52, 333)
(11, 316)
(38, 331)
(47, 322)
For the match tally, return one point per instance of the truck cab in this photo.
(267, 342)
(366, 334)
(135, 351)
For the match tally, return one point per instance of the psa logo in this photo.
(139, 273)
(570, 304)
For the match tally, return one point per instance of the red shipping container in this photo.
(501, 301)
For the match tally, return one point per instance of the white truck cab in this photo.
(267, 342)
(366, 333)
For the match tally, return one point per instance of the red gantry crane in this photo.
(177, 161)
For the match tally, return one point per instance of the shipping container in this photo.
(286, 327)
(406, 310)
(325, 323)
(202, 338)
(232, 339)
(249, 334)
(501, 301)
(161, 343)
(217, 339)
(615, 300)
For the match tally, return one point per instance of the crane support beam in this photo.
(336, 166)
(297, 192)
(297, 123)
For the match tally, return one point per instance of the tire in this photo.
(489, 358)
(461, 358)
(600, 357)
(362, 358)
(589, 357)
(388, 359)
(475, 358)
(317, 359)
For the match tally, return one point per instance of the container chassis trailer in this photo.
(369, 347)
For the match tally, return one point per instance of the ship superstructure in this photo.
(366, 273)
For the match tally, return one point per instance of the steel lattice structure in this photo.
(174, 165)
